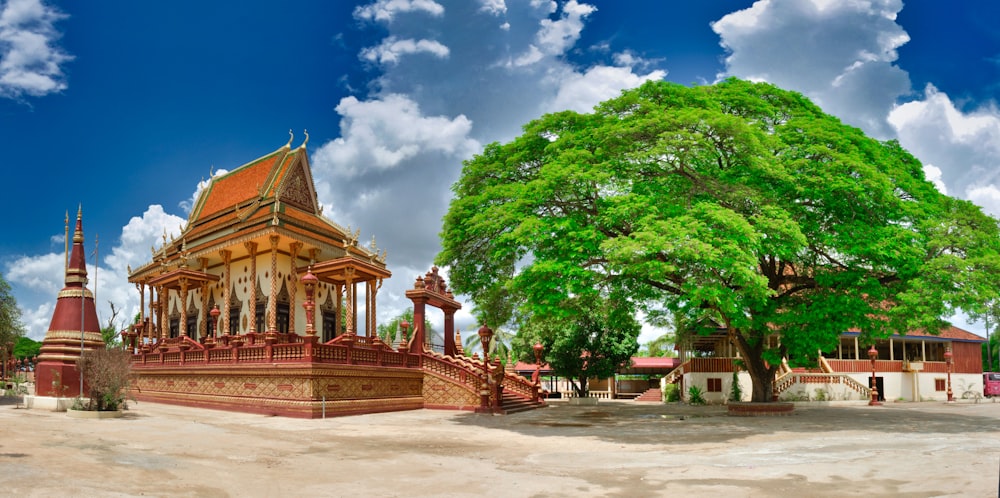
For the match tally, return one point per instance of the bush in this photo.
(735, 392)
(107, 373)
(672, 393)
(694, 396)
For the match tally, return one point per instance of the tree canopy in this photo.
(737, 201)
(11, 327)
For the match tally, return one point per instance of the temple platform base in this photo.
(48, 403)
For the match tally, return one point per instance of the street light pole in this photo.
(83, 314)
(947, 359)
(873, 355)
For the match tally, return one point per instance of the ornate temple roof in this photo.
(271, 195)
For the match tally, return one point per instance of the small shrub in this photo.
(821, 395)
(735, 392)
(695, 396)
(107, 373)
(672, 393)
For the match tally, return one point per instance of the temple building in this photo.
(262, 304)
(74, 327)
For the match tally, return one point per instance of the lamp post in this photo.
(210, 340)
(947, 360)
(485, 337)
(309, 281)
(83, 307)
(538, 362)
(873, 355)
(538, 370)
(404, 336)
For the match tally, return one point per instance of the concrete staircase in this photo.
(512, 403)
(652, 394)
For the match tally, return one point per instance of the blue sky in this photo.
(124, 107)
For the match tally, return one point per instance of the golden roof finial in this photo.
(306, 132)
(291, 137)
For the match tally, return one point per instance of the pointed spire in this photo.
(291, 137)
(306, 132)
(76, 269)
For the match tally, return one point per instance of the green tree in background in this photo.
(592, 342)
(390, 331)
(11, 327)
(737, 201)
(26, 347)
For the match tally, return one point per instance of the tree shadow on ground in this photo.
(635, 423)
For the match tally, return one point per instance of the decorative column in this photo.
(272, 298)
(141, 287)
(349, 285)
(152, 331)
(205, 291)
(485, 337)
(182, 327)
(226, 297)
(164, 306)
(293, 250)
(252, 249)
(309, 282)
(449, 332)
(338, 311)
(370, 308)
(203, 315)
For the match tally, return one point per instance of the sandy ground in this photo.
(618, 448)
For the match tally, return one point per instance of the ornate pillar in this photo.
(151, 326)
(182, 327)
(370, 308)
(349, 285)
(252, 249)
(272, 298)
(141, 287)
(226, 259)
(419, 334)
(449, 332)
(164, 306)
(205, 291)
(338, 304)
(293, 286)
(203, 316)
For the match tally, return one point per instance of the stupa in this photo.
(74, 328)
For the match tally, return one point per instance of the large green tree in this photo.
(11, 326)
(740, 201)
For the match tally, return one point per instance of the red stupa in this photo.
(57, 374)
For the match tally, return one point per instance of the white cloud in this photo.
(381, 133)
(840, 54)
(987, 197)
(391, 50)
(933, 174)
(386, 10)
(494, 7)
(582, 91)
(45, 273)
(30, 62)
(963, 146)
(554, 38)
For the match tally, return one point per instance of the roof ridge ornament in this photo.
(303, 146)
(291, 136)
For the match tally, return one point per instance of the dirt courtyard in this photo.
(617, 448)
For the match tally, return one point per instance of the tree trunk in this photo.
(761, 374)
